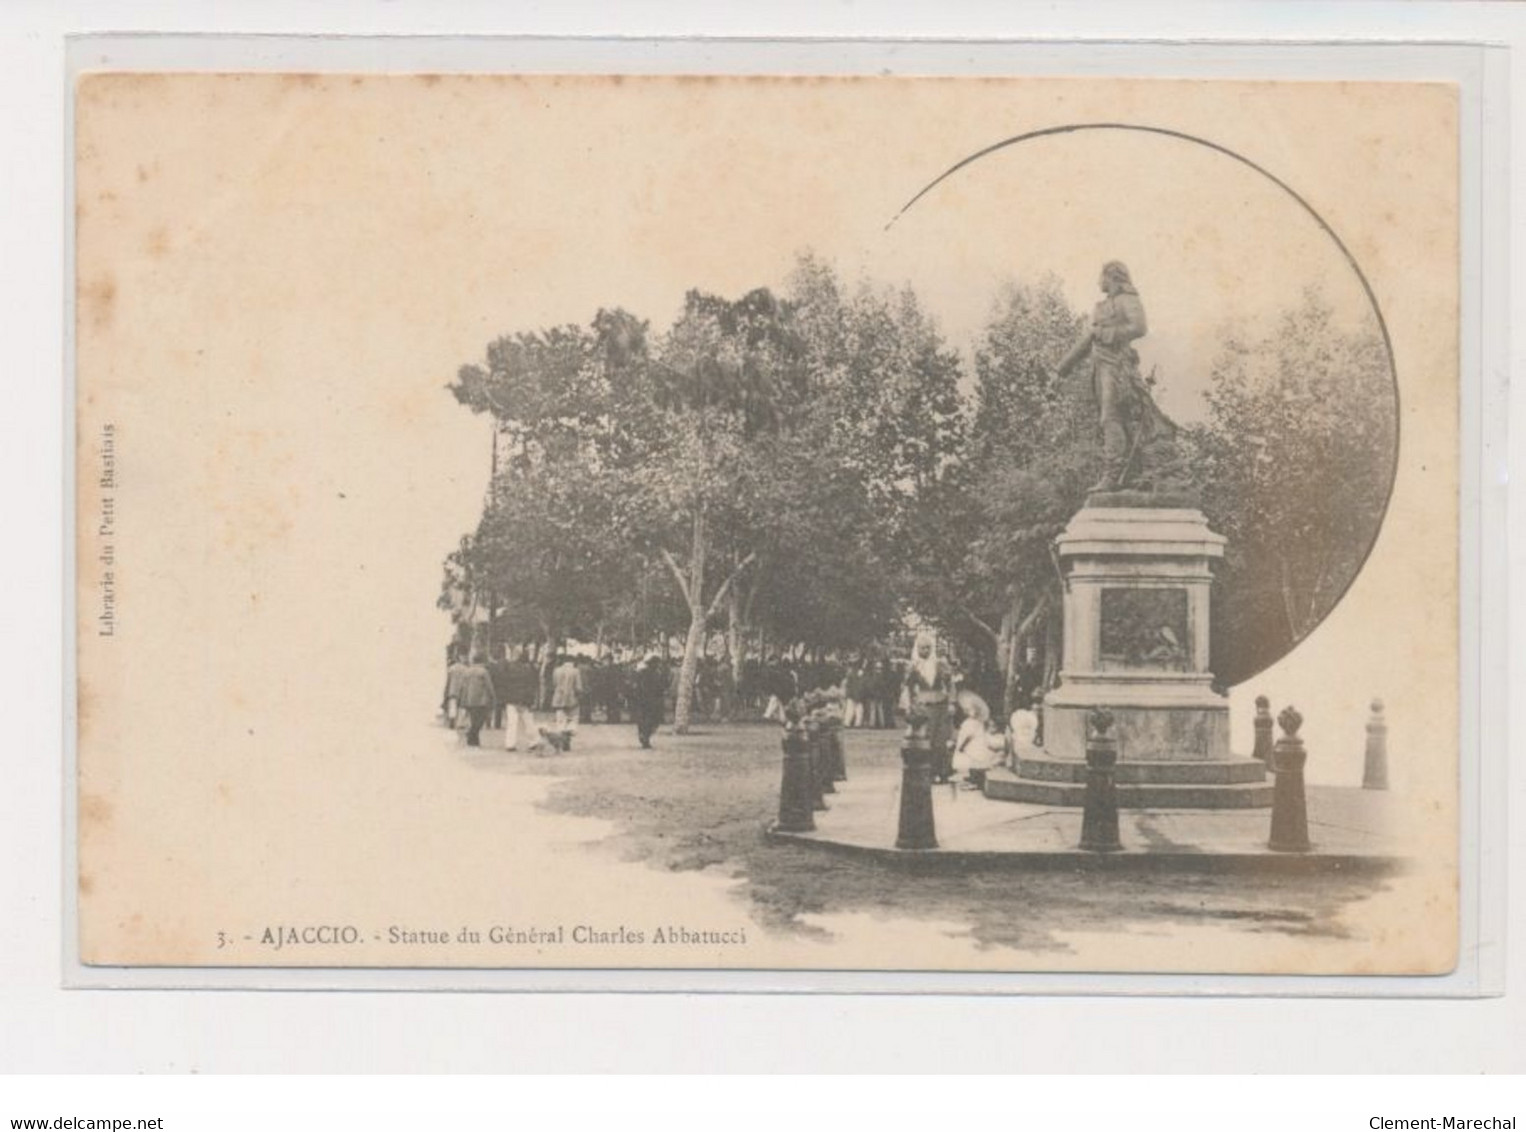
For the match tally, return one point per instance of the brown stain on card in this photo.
(95, 810)
(98, 299)
(84, 709)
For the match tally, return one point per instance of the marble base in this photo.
(1153, 733)
(1133, 794)
(1038, 766)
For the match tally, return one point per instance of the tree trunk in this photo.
(1289, 601)
(1022, 629)
(1006, 655)
(692, 646)
(1311, 618)
(760, 567)
(736, 640)
(1053, 647)
(692, 587)
(547, 664)
(694, 594)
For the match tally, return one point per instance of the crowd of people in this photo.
(507, 687)
(505, 691)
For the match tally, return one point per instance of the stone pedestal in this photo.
(1137, 583)
(1138, 571)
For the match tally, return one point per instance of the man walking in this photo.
(498, 669)
(649, 689)
(450, 703)
(520, 684)
(477, 697)
(566, 695)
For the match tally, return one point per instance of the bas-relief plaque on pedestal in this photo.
(1144, 629)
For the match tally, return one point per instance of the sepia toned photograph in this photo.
(757, 523)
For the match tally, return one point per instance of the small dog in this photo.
(561, 741)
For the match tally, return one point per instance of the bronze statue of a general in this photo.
(1135, 434)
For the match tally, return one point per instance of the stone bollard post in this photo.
(1375, 771)
(1290, 815)
(916, 830)
(797, 793)
(1099, 819)
(1263, 726)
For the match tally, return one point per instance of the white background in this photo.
(45, 1029)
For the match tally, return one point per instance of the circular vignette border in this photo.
(1351, 260)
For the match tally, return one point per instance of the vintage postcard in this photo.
(767, 524)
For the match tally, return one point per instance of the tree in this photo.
(1297, 459)
(712, 453)
(1031, 455)
(886, 428)
(887, 384)
(792, 442)
(723, 380)
(825, 585)
(549, 538)
(547, 542)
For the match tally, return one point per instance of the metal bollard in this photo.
(821, 753)
(916, 830)
(1263, 726)
(820, 784)
(1375, 770)
(797, 795)
(1290, 814)
(832, 736)
(1099, 818)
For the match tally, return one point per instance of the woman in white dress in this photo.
(1024, 726)
(972, 749)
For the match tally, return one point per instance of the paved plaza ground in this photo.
(701, 802)
(1348, 830)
